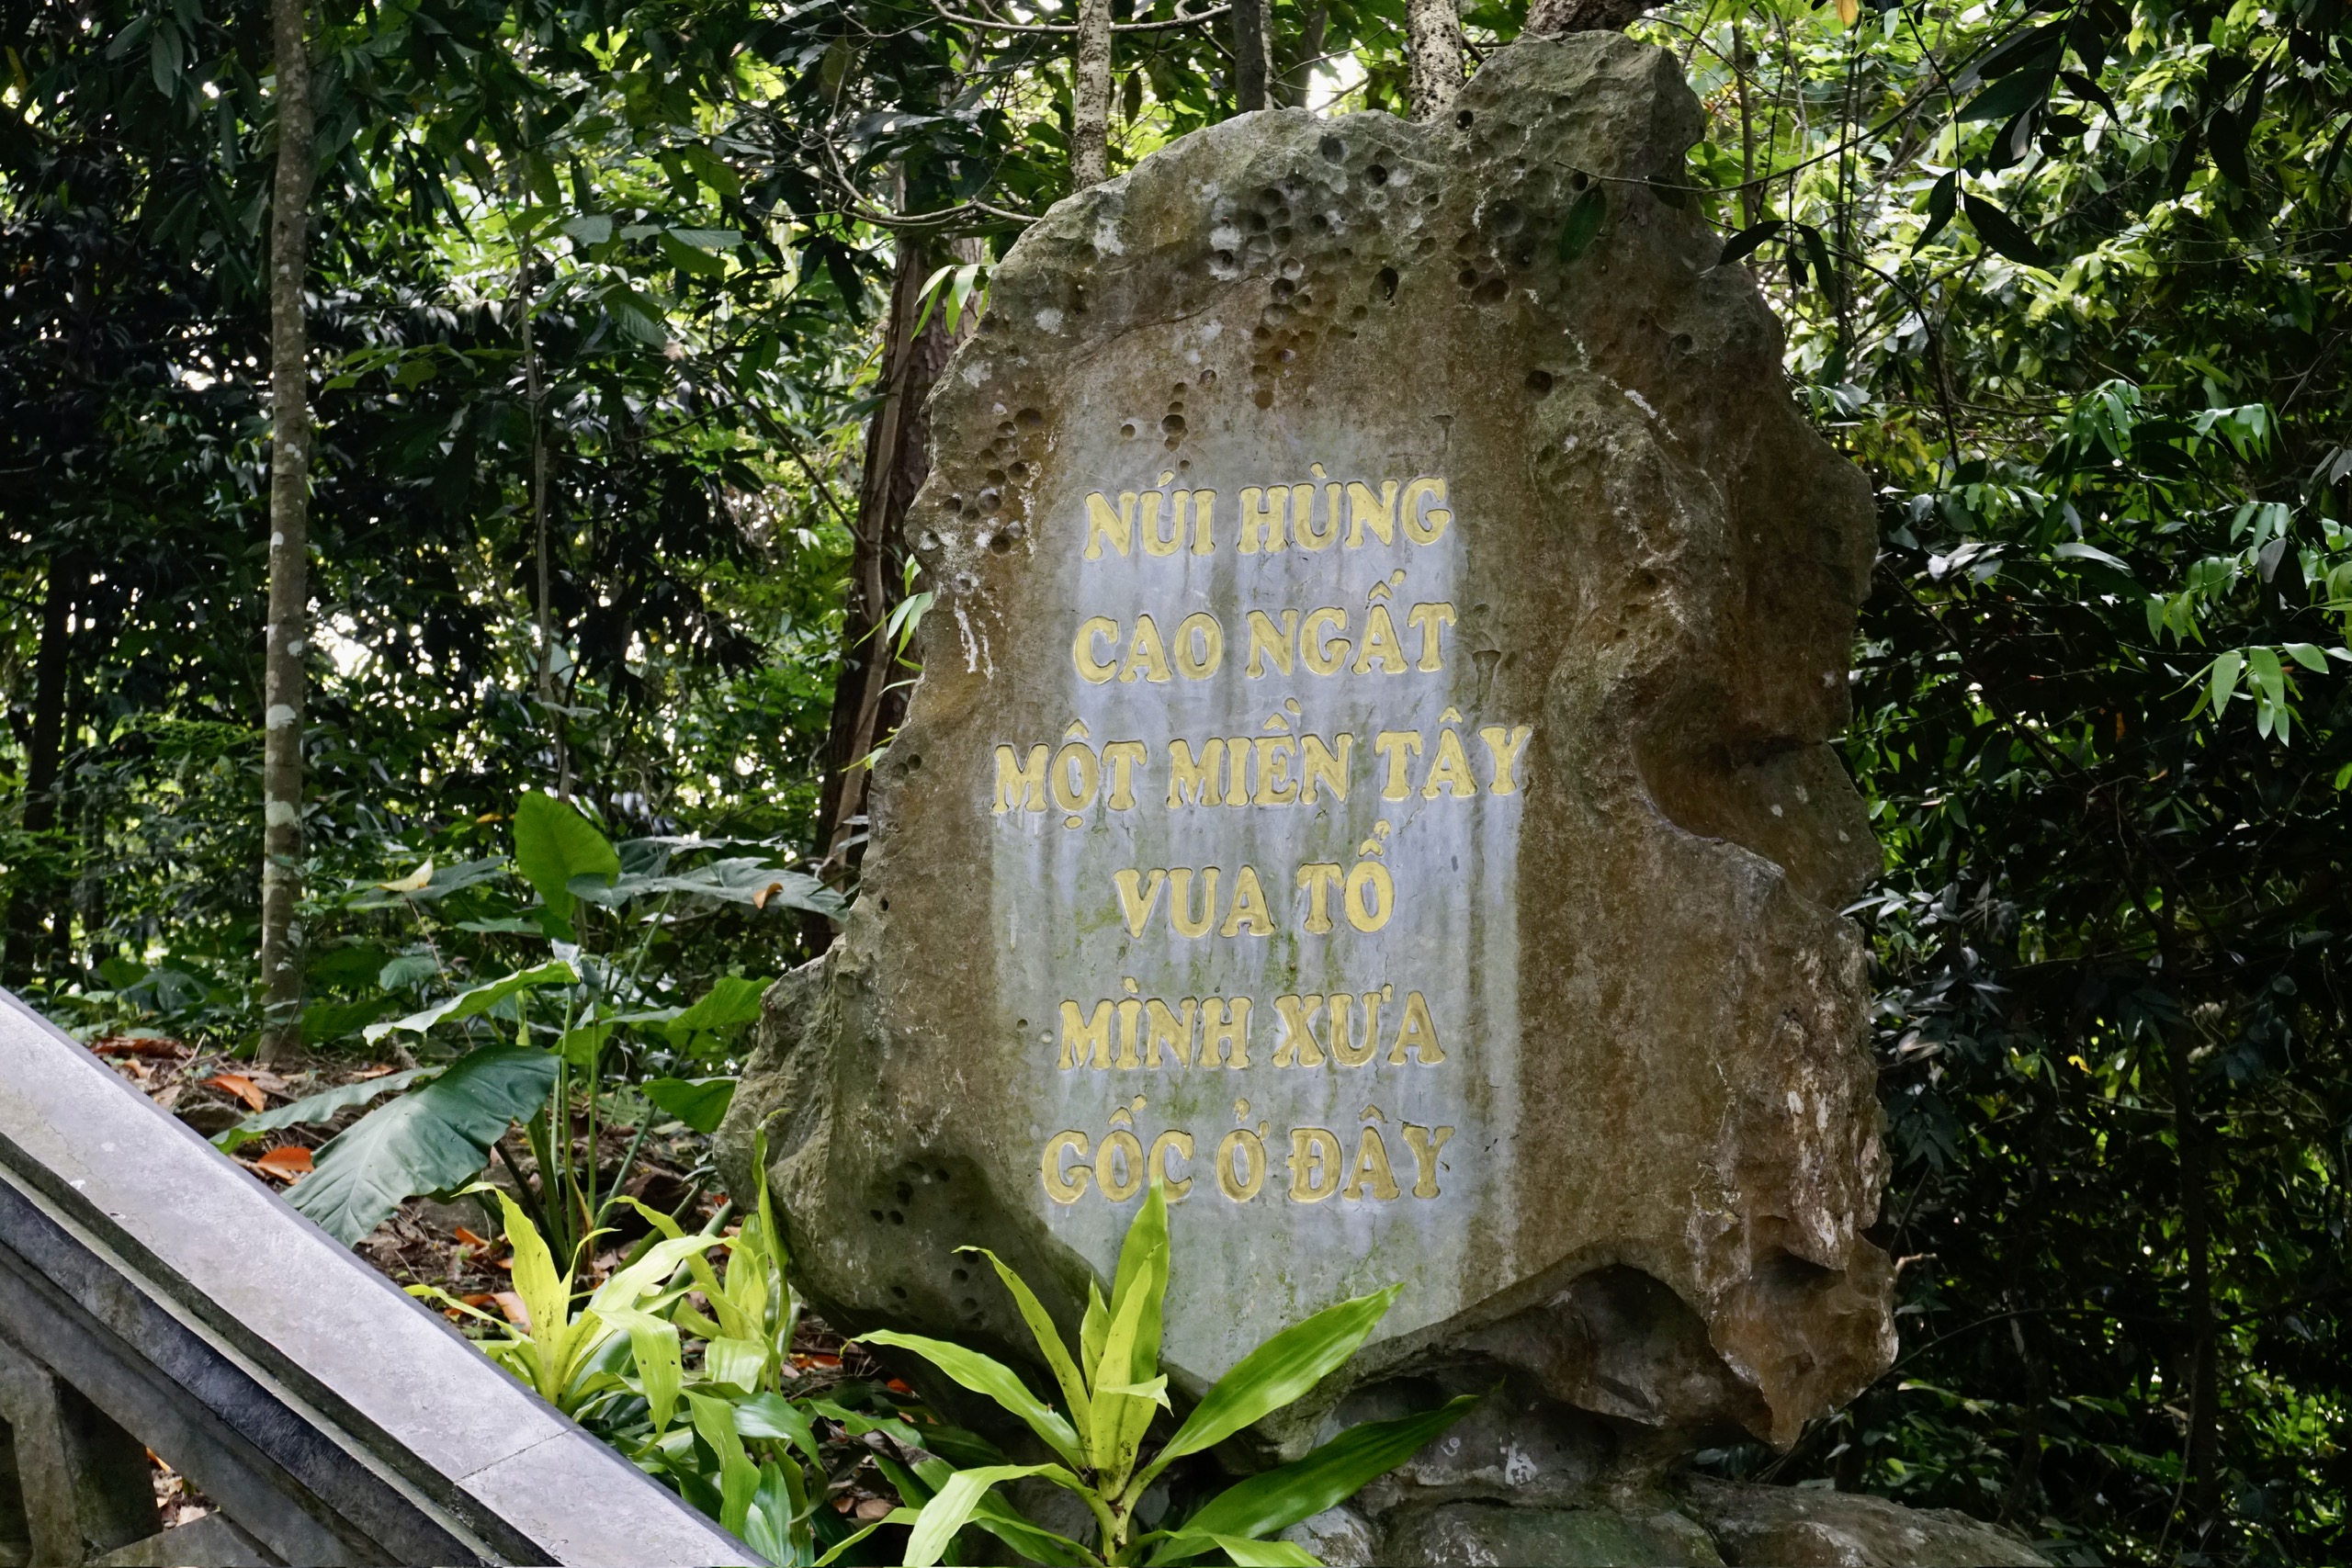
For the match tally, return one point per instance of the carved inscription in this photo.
(1333, 593)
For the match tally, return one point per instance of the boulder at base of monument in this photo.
(1371, 770)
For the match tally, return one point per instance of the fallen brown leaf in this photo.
(872, 1508)
(239, 1085)
(512, 1306)
(285, 1162)
(144, 1045)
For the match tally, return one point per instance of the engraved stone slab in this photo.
(1370, 769)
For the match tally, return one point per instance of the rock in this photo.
(1466, 1533)
(1484, 803)
(1805, 1526)
(1338, 1538)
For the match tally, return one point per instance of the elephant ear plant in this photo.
(1110, 1391)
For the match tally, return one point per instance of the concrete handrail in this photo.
(331, 1417)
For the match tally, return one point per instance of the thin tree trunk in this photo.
(2025, 1471)
(1089, 107)
(1751, 196)
(897, 458)
(1434, 55)
(2201, 1451)
(534, 397)
(45, 752)
(1299, 78)
(1252, 54)
(290, 480)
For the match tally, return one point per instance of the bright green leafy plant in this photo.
(1113, 1389)
(565, 1014)
(694, 1393)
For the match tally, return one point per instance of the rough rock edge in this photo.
(1711, 1524)
(799, 1044)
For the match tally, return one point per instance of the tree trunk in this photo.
(2201, 1455)
(1298, 78)
(1090, 105)
(898, 460)
(290, 480)
(1751, 195)
(534, 400)
(1252, 54)
(1434, 55)
(45, 752)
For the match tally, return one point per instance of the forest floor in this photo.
(453, 1248)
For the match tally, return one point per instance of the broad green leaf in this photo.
(690, 258)
(2224, 679)
(1943, 200)
(1332, 1474)
(554, 843)
(476, 1001)
(1582, 225)
(1092, 1327)
(2308, 655)
(446, 879)
(545, 1293)
(739, 1478)
(1115, 1417)
(1277, 1373)
(321, 1107)
(626, 1289)
(1743, 245)
(428, 1140)
(661, 1369)
(767, 1523)
(581, 1047)
(2007, 98)
(1049, 1343)
(2075, 550)
(737, 1361)
(2264, 673)
(774, 1416)
(983, 1374)
(996, 1516)
(589, 228)
(952, 1508)
(1143, 1273)
(1247, 1553)
(1128, 1392)
(741, 880)
(1154, 1393)
(733, 1001)
(700, 1103)
(323, 1022)
(2001, 232)
(895, 1516)
(704, 1029)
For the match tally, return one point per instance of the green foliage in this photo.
(2069, 282)
(431, 1138)
(554, 844)
(1113, 1389)
(440, 1132)
(2077, 306)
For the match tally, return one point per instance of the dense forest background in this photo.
(621, 313)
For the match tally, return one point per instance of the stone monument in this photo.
(1371, 770)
